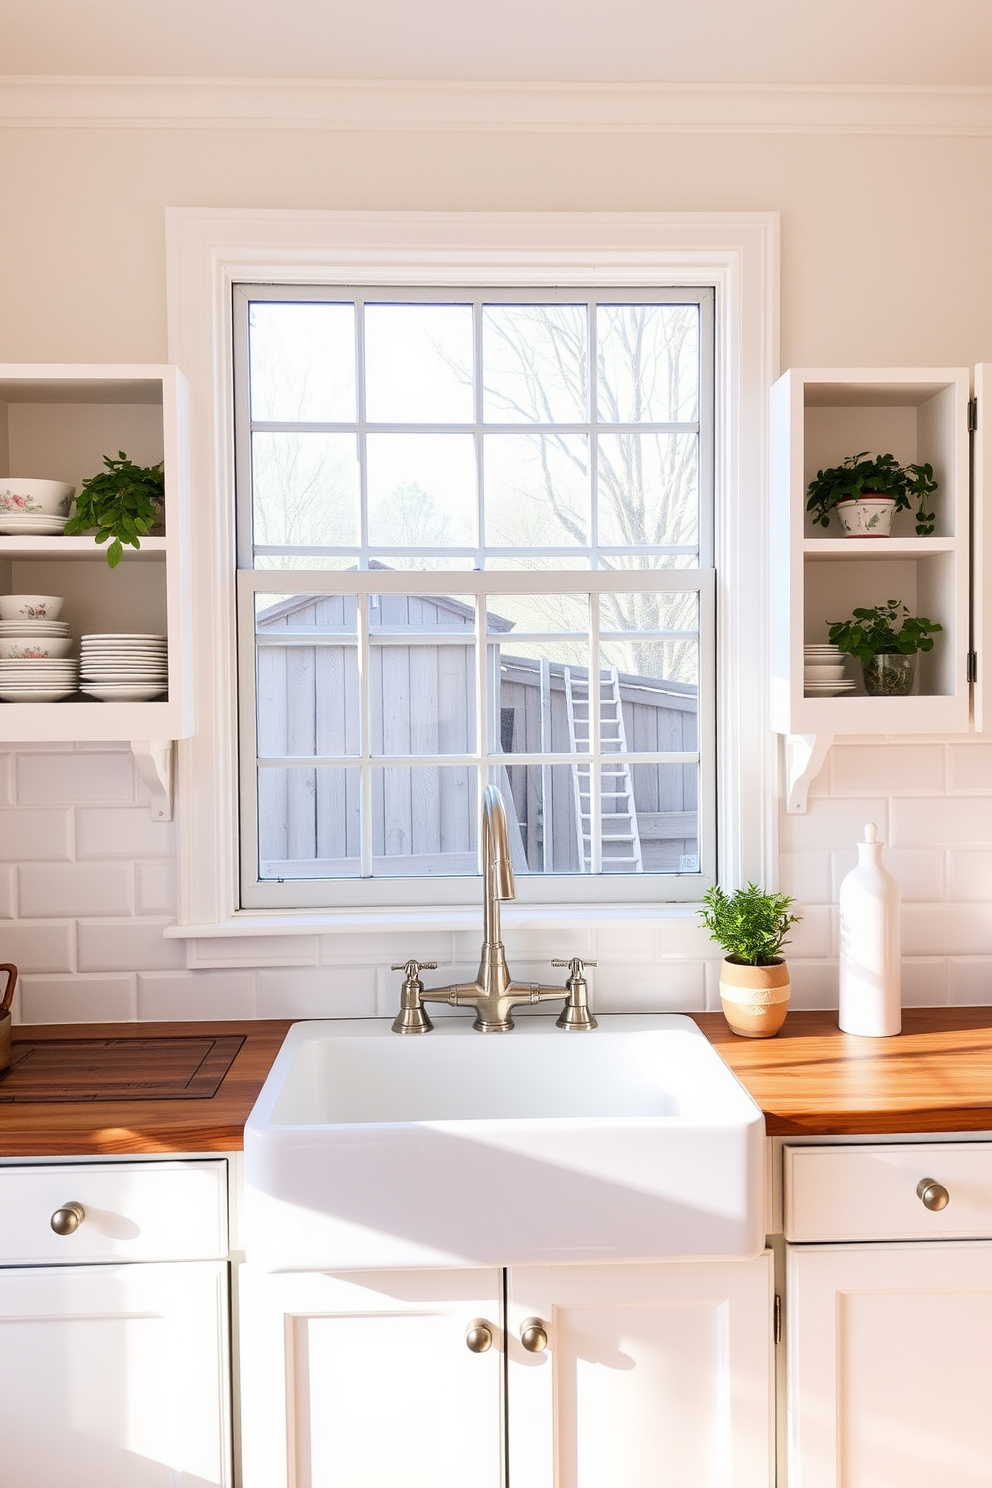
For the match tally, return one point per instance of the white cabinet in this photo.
(889, 1364)
(653, 1376)
(114, 1346)
(57, 422)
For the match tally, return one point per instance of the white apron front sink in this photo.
(630, 1142)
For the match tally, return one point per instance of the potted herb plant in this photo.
(885, 639)
(120, 505)
(866, 492)
(752, 927)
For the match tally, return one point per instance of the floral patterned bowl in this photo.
(30, 648)
(25, 498)
(30, 606)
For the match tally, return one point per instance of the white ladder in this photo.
(620, 837)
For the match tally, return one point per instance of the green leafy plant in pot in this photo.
(885, 639)
(120, 505)
(866, 491)
(752, 927)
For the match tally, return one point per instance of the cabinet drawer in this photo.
(151, 1211)
(870, 1193)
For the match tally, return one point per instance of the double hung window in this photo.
(475, 544)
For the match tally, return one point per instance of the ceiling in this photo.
(735, 41)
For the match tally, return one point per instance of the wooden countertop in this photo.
(215, 1123)
(811, 1078)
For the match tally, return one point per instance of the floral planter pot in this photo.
(866, 516)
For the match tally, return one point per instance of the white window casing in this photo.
(210, 251)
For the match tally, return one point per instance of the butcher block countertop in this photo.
(96, 1088)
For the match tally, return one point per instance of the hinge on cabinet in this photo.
(972, 415)
(777, 1320)
(972, 666)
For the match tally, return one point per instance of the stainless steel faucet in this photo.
(494, 993)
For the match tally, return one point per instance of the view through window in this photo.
(475, 544)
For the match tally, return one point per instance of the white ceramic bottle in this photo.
(870, 987)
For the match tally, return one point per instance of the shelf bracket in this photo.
(804, 756)
(154, 761)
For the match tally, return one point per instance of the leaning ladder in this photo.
(621, 838)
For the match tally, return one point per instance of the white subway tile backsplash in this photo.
(337, 992)
(37, 835)
(833, 823)
(155, 888)
(969, 769)
(970, 875)
(813, 936)
(813, 984)
(74, 889)
(195, 995)
(374, 947)
(128, 945)
(948, 930)
(666, 987)
(924, 981)
(6, 893)
(49, 946)
(946, 821)
(806, 876)
(969, 980)
(887, 769)
(920, 872)
(6, 777)
(125, 832)
(44, 779)
(620, 945)
(77, 999)
(250, 950)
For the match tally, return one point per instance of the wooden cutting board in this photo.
(185, 1067)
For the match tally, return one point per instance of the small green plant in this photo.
(873, 632)
(122, 503)
(750, 925)
(881, 475)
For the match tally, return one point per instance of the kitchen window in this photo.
(475, 544)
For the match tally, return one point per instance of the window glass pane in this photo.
(640, 612)
(541, 704)
(537, 489)
(648, 489)
(422, 696)
(535, 364)
(647, 363)
(541, 805)
(667, 805)
(422, 490)
(541, 612)
(308, 823)
(308, 699)
(305, 489)
(420, 614)
(656, 682)
(418, 364)
(302, 363)
(424, 820)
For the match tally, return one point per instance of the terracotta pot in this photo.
(8, 997)
(755, 998)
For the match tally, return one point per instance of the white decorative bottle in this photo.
(870, 988)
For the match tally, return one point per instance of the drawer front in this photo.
(168, 1211)
(870, 1193)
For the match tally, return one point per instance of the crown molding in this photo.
(499, 107)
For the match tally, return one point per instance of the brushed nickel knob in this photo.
(68, 1218)
(479, 1336)
(534, 1335)
(933, 1194)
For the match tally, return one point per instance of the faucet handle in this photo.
(575, 1013)
(576, 966)
(412, 1017)
(413, 968)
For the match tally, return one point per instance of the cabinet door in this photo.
(655, 1376)
(890, 1368)
(115, 1376)
(365, 1380)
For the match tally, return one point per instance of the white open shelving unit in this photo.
(819, 416)
(57, 422)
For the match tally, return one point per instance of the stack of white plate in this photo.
(823, 671)
(35, 638)
(31, 524)
(124, 668)
(41, 680)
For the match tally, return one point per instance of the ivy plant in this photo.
(874, 632)
(751, 925)
(880, 475)
(120, 505)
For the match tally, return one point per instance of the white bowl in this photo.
(21, 497)
(824, 673)
(25, 647)
(30, 606)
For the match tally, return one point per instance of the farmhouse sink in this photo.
(457, 1148)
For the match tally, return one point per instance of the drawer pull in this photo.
(534, 1335)
(68, 1218)
(479, 1336)
(933, 1194)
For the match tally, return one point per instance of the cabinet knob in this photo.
(68, 1218)
(933, 1194)
(534, 1335)
(479, 1336)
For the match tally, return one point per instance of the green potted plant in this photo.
(866, 492)
(752, 927)
(120, 505)
(885, 639)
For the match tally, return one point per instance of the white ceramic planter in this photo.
(866, 516)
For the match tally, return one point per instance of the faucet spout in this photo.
(497, 869)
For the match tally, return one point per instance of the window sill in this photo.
(515, 917)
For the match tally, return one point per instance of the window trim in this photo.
(209, 250)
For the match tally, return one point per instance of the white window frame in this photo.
(208, 251)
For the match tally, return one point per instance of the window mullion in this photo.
(365, 741)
